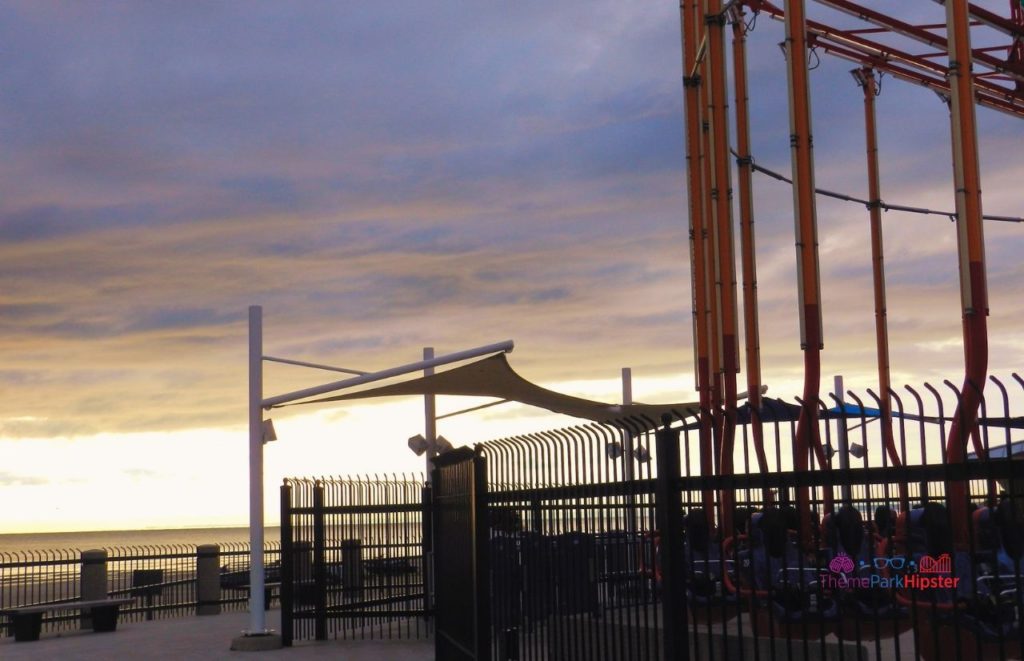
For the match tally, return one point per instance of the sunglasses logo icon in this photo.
(896, 562)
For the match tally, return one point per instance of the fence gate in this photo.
(461, 562)
(352, 559)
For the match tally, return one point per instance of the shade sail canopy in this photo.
(494, 377)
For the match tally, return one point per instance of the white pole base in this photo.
(254, 641)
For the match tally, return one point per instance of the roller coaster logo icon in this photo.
(940, 565)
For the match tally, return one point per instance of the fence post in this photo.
(428, 549)
(319, 564)
(93, 580)
(208, 579)
(669, 513)
(351, 568)
(287, 567)
(536, 517)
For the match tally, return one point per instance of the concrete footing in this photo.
(256, 642)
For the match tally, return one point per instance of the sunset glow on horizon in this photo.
(384, 177)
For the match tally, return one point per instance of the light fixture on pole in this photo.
(268, 431)
(418, 444)
(442, 445)
(613, 450)
(642, 454)
(829, 451)
(857, 450)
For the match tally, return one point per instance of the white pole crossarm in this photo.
(316, 366)
(471, 409)
(286, 398)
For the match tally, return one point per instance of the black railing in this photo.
(161, 579)
(40, 577)
(353, 559)
(462, 566)
(582, 564)
(603, 545)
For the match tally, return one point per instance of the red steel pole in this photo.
(711, 266)
(808, 277)
(748, 244)
(690, 25)
(721, 199)
(971, 248)
(865, 77)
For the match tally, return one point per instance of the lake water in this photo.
(83, 541)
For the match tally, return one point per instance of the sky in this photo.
(387, 176)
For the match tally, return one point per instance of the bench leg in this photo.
(104, 618)
(27, 626)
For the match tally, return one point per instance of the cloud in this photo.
(383, 180)
(141, 473)
(8, 479)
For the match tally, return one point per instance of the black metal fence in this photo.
(573, 545)
(162, 579)
(37, 577)
(862, 581)
(352, 559)
(621, 542)
(234, 575)
(838, 562)
(460, 524)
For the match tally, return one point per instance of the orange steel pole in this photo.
(865, 77)
(690, 23)
(971, 247)
(711, 265)
(808, 278)
(721, 200)
(744, 180)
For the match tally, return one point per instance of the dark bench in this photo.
(28, 620)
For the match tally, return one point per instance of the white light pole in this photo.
(844, 448)
(430, 430)
(257, 636)
(627, 438)
(629, 456)
(429, 415)
(257, 620)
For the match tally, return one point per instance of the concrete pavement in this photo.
(200, 638)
